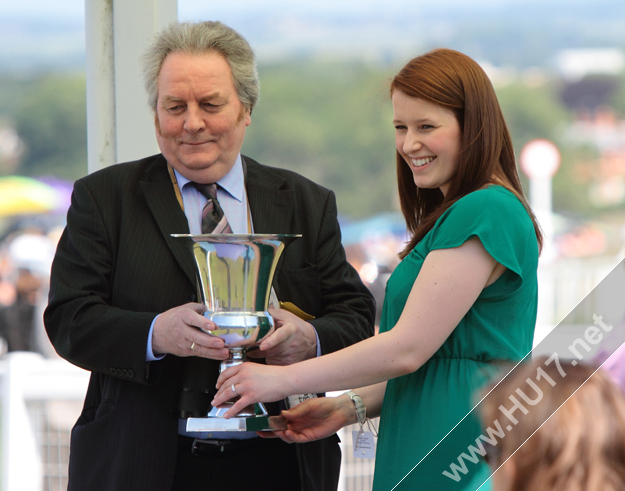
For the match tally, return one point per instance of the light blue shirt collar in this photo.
(233, 182)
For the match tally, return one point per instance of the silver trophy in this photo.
(235, 273)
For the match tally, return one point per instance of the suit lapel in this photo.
(161, 200)
(270, 199)
(271, 204)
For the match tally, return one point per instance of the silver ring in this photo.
(193, 346)
(234, 390)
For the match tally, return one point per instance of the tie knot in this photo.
(213, 219)
(208, 190)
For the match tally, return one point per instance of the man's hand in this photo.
(176, 332)
(293, 340)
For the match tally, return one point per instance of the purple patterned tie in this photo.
(213, 219)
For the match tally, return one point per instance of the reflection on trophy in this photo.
(234, 282)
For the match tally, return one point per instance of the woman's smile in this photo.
(422, 162)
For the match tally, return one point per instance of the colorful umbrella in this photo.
(22, 195)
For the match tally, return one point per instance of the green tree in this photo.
(532, 112)
(618, 98)
(12, 88)
(51, 119)
(537, 112)
(333, 124)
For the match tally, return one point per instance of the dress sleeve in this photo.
(499, 220)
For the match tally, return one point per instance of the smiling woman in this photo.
(463, 298)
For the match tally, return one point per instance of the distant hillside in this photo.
(503, 32)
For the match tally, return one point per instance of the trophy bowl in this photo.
(234, 276)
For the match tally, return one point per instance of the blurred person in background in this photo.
(7, 289)
(580, 448)
(463, 297)
(17, 321)
(28, 255)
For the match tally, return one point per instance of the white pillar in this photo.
(541, 203)
(120, 125)
(21, 467)
(540, 160)
(101, 144)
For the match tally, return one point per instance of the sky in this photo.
(41, 33)
(74, 10)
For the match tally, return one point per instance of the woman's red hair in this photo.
(454, 81)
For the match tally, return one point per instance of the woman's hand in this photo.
(318, 418)
(253, 383)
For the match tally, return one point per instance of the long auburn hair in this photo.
(581, 447)
(455, 82)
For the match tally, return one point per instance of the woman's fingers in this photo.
(226, 375)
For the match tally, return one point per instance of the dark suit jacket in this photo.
(117, 267)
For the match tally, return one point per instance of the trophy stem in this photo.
(237, 356)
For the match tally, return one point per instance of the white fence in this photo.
(40, 401)
(563, 284)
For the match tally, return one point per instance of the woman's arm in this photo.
(448, 284)
(372, 397)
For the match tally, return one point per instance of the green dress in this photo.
(421, 408)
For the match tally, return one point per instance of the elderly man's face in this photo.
(200, 122)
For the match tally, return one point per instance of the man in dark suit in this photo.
(122, 299)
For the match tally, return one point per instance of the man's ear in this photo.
(157, 123)
(245, 114)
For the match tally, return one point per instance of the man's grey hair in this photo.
(202, 38)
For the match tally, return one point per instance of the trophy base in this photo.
(251, 411)
(251, 418)
(258, 423)
(236, 423)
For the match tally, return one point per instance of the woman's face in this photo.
(427, 136)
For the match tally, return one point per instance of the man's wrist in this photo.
(150, 354)
(314, 351)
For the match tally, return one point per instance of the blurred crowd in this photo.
(32, 216)
(25, 258)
